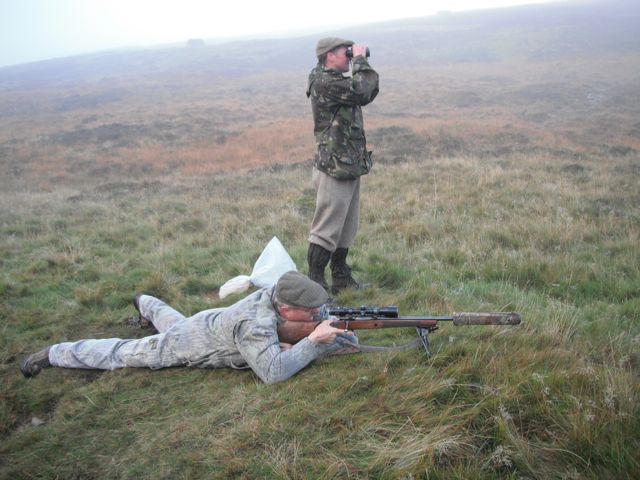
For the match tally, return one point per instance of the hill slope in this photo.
(560, 78)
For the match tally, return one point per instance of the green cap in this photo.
(329, 43)
(298, 290)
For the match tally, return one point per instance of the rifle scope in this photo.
(364, 311)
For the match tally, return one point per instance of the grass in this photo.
(498, 185)
(554, 398)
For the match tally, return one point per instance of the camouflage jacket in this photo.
(336, 102)
(246, 335)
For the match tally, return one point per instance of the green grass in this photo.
(556, 397)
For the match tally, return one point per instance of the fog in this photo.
(32, 30)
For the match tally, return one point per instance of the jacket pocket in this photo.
(342, 167)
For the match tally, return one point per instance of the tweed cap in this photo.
(329, 43)
(298, 290)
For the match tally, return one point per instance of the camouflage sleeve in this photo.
(358, 90)
(260, 347)
(368, 78)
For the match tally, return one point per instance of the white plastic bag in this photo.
(273, 262)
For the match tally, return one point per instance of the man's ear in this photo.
(330, 58)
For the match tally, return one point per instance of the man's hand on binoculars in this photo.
(359, 50)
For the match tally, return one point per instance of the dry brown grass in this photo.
(565, 108)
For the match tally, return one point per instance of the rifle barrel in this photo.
(495, 318)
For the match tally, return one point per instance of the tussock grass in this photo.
(554, 398)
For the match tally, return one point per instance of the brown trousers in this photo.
(335, 221)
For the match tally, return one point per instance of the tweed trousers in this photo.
(337, 214)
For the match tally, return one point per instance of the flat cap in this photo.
(298, 290)
(329, 43)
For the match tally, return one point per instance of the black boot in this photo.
(318, 257)
(341, 272)
(31, 365)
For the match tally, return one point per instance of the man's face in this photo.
(337, 59)
(302, 314)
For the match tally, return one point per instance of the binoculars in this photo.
(350, 52)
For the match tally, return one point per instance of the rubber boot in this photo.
(341, 272)
(318, 258)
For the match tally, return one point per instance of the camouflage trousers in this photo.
(180, 341)
(335, 221)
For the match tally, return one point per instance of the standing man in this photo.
(341, 156)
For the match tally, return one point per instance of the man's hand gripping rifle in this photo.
(367, 318)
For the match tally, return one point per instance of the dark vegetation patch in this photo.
(90, 101)
(129, 135)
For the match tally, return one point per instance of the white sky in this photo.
(32, 30)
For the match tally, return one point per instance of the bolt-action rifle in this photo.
(367, 318)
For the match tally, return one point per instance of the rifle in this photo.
(367, 318)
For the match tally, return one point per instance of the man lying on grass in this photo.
(244, 335)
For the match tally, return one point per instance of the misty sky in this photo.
(32, 30)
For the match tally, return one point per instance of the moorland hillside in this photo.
(561, 78)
